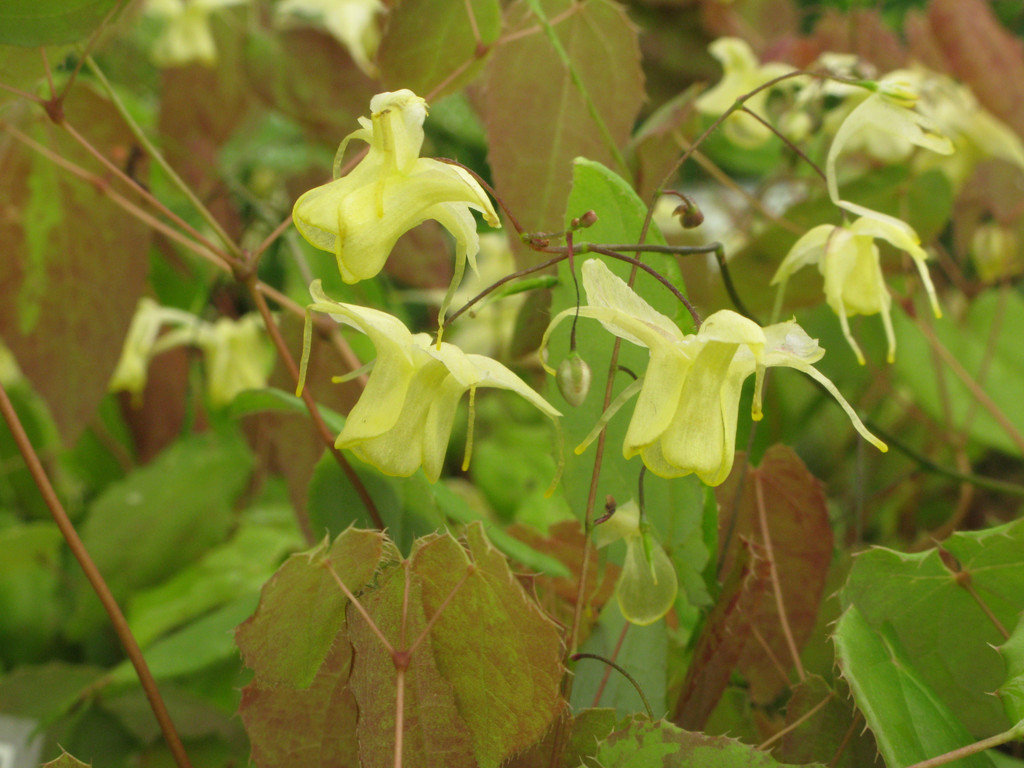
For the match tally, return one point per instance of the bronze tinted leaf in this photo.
(74, 263)
(537, 121)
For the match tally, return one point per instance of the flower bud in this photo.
(648, 585)
(573, 379)
(588, 219)
(690, 214)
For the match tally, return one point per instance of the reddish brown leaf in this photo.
(434, 733)
(310, 77)
(492, 643)
(483, 685)
(566, 541)
(726, 634)
(287, 444)
(302, 608)
(861, 32)
(761, 22)
(74, 263)
(577, 737)
(983, 54)
(656, 147)
(433, 47)
(800, 539)
(922, 43)
(824, 725)
(200, 108)
(156, 419)
(314, 726)
(536, 119)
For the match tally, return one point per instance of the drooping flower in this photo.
(353, 23)
(236, 356)
(742, 73)
(404, 417)
(848, 259)
(236, 353)
(186, 36)
(888, 110)
(685, 416)
(361, 215)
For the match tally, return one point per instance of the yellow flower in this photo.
(186, 36)
(685, 416)
(888, 111)
(742, 73)
(360, 216)
(237, 355)
(848, 259)
(404, 417)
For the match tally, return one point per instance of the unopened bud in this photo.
(690, 214)
(588, 219)
(573, 379)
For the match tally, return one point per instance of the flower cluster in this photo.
(886, 119)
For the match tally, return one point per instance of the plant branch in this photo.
(359, 607)
(968, 381)
(96, 580)
(796, 723)
(979, 481)
(252, 285)
(621, 671)
(1013, 734)
(155, 153)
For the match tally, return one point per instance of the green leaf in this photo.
(66, 761)
(50, 22)
(241, 566)
(429, 41)
(195, 646)
(1011, 692)
(536, 119)
(908, 719)
(160, 518)
(47, 691)
(644, 654)
(404, 504)
(302, 608)
(641, 743)
(277, 400)
(30, 589)
(492, 642)
(939, 625)
(986, 339)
